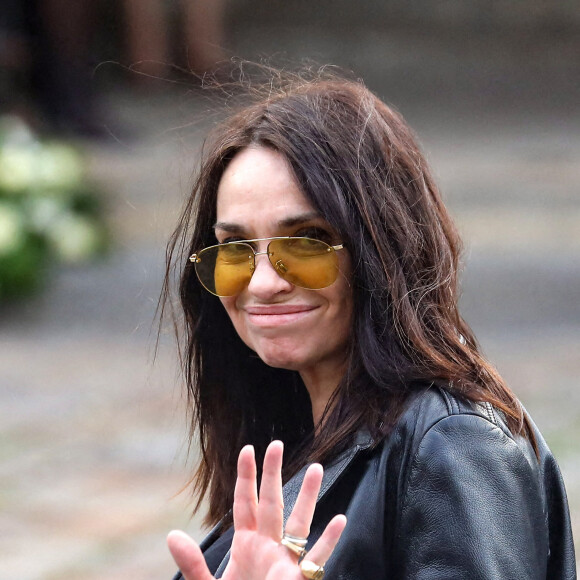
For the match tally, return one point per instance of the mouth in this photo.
(278, 314)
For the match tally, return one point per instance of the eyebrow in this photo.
(284, 223)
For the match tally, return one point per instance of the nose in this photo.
(265, 282)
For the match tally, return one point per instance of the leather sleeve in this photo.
(472, 506)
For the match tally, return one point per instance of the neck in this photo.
(321, 383)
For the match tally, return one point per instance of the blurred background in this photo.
(101, 121)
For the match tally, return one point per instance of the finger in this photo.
(298, 523)
(324, 546)
(188, 556)
(271, 504)
(245, 493)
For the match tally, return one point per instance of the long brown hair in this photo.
(358, 163)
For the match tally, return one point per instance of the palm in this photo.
(256, 556)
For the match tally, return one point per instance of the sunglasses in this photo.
(226, 269)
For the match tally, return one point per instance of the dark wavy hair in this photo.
(358, 163)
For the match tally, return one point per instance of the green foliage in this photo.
(49, 213)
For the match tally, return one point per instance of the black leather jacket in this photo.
(450, 494)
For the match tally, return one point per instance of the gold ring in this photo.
(293, 547)
(311, 570)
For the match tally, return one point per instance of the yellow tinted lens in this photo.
(225, 270)
(304, 262)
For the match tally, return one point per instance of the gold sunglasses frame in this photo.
(195, 260)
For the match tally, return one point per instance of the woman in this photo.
(320, 304)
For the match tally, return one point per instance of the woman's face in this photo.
(287, 326)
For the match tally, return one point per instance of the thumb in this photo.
(188, 556)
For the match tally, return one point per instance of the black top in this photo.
(217, 551)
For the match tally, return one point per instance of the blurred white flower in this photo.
(36, 167)
(74, 238)
(42, 212)
(18, 167)
(12, 229)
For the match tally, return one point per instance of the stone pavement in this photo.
(92, 433)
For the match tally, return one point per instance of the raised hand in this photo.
(257, 553)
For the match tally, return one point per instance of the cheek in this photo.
(335, 324)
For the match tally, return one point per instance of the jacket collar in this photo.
(332, 473)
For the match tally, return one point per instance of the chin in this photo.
(281, 357)
(281, 362)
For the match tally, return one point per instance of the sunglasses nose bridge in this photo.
(267, 251)
(256, 254)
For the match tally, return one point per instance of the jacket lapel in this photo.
(332, 472)
(211, 536)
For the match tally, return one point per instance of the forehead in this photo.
(259, 187)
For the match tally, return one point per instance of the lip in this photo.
(278, 314)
